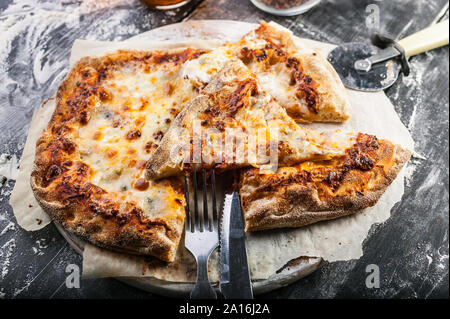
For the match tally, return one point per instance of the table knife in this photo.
(235, 280)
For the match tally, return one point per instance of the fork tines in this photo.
(204, 219)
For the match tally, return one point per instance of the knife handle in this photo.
(203, 288)
(427, 39)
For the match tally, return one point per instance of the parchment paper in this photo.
(268, 251)
(29, 214)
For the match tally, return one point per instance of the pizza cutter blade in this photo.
(366, 67)
(379, 77)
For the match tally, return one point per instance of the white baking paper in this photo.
(27, 211)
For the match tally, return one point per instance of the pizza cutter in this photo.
(375, 67)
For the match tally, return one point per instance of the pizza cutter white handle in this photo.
(427, 39)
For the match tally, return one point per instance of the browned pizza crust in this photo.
(313, 192)
(118, 233)
(60, 179)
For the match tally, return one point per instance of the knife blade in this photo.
(235, 280)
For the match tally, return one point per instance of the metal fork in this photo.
(202, 235)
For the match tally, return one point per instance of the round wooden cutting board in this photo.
(205, 30)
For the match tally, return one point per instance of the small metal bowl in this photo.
(295, 10)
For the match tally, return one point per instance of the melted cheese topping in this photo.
(202, 69)
(305, 143)
(275, 79)
(124, 130)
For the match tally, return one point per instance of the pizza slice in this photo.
(89, 173)
(301, 81)
(234, 123)
(315, 191)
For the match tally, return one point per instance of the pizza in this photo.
(234, 123)
(314, 191)
(89, 173)
(302, 81)
(108, 166)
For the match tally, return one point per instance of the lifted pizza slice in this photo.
(234, 123)
(315, 191)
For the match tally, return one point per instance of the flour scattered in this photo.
(418, 156)
(9, 167)
(442, 254)
(89, 6)
(4, 217)
(414, 162)
(430, 260)
(29, 279)
(41, 245)
(6, 252)
(420, 69)
(171, 13)
(17, 23)
(10, 227)
(22, 20)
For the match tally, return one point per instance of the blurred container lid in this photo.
(285, 7)
(165, 4)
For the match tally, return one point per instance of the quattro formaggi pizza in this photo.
(109, 164)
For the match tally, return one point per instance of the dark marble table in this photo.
(411, 248)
